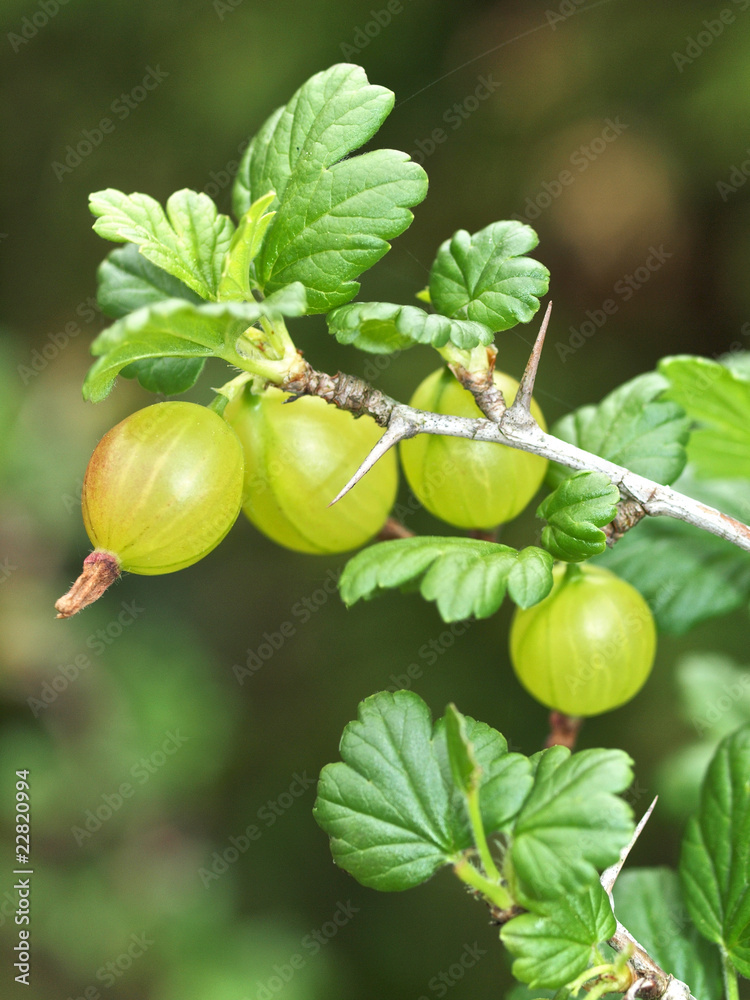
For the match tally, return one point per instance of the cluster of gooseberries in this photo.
(165, 486)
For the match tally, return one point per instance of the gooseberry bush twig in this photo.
(540, 839)
(515, 427)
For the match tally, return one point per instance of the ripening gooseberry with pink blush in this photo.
(161, 490)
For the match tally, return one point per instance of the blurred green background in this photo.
(619, 130)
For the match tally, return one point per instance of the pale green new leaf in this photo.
(189, 241)
(554, 947)
(174, 329)
(633, 427)
(715, 861)
(485, 277)
(126, 281)
(235, 283)
(571, 825)
(718, 399)
(576, 511)
(648, 901)
(465, 576)
(383, 327)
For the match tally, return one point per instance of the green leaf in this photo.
(390, 807)
(172, 328)
(383, 327)
(484, 277)
(464, 766)
(632, 427)
(235, 283)
(505, 778)
(718, 399)
(555, 947)
(714, 694)
(715, 859)
(714, 700)
(648, 901)
(571, 824)
(685, 574)
(335, 223)
(576, 511)
(529, 579)
(128, 281)
(385, 806)
(169, 376)
(335, 212)
(464, 576)
(189, 241)
(331, 114)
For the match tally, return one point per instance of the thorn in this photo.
(609, 876)
(526, 388)
(398, 429)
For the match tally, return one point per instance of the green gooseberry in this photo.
(470, 484)
(298, 455)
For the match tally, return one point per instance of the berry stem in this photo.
(563, 730)
(100, 570)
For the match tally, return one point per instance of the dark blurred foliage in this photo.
(510, 107)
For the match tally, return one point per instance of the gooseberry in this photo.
(298, 455)
(470, 484)
(589, 646)
(161, 490)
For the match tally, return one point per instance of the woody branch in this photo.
(513, 426)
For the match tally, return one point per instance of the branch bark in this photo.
(515, 427)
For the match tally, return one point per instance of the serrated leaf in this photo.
(648, 901)
(172, 328)
(332, 113)
(169, 376)
(390, 807)
(189, 241)
(715, 858)
(576, 511)
(686, 575)
(484, 277)
(385, 805)
(335, 223)
(571, 824)
(529, 579)
(235, 283)
(464, 576)
(127, 281)
(632, 427)
(719, 400)
(335, 212)
(383, 327)
(555, 947)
